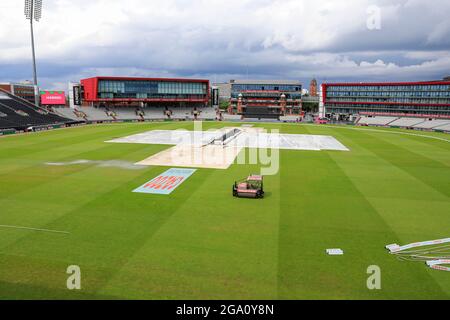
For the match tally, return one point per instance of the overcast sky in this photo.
(331, 40)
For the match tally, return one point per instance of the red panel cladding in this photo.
(324, 92)
(90, 89)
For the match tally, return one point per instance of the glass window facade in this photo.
(407, 98)
(146, 89)
(294, 91)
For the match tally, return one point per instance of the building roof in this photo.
(23, 84)
(435, 82)
(147, 79)
(280, 82)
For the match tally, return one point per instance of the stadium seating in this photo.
(123, 113)
(376, 121)
(69, 113)
(431, 124)
(443, 128)
(96, 114)
(231, 117)
(21, 114)
(208, 114)
(406, 122)
(5, 120)
(182, 113)
(154, 113)
(290, 118)
(126, 113)
(419, 123)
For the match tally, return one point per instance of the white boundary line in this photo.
(33, 229)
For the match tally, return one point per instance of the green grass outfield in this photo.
(200, 242)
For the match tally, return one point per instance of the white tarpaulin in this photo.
(245, 139)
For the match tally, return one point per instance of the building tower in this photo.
(239, 104)
(283, 104)
(313, 88)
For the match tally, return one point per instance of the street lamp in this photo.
(33, 11)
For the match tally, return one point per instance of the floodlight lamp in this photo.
(37, 10)
(28, 4)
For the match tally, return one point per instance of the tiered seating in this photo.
(290, 118)
(126, 113)
(443, 128)
(20, 114)
(231, 117)
(182, 113)
(158, 113)
(5, 121)
(376, 121)
(406, 122)
(208, 114)
(68, 113)
(431, 124)
(96, 114)
(154, 113)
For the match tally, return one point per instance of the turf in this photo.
(201, 243)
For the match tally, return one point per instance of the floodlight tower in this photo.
(33, 11)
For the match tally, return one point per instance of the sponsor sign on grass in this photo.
(166, 182)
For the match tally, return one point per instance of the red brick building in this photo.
(313, 88)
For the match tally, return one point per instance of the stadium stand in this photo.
(231, 117)
(376, 121)
(21, 114)
(124, 113)
(406, 122)
(443, 128)
(398, 120)
(154, 114)
(69, 113)
(182, 113)
(127, 113)
(290, 118)
(96, 114)
(207, 114)
(432, 123)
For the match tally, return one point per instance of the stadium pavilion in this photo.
(267, 99)
(145, 92)
(419, 99)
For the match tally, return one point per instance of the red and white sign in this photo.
(53, 98)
